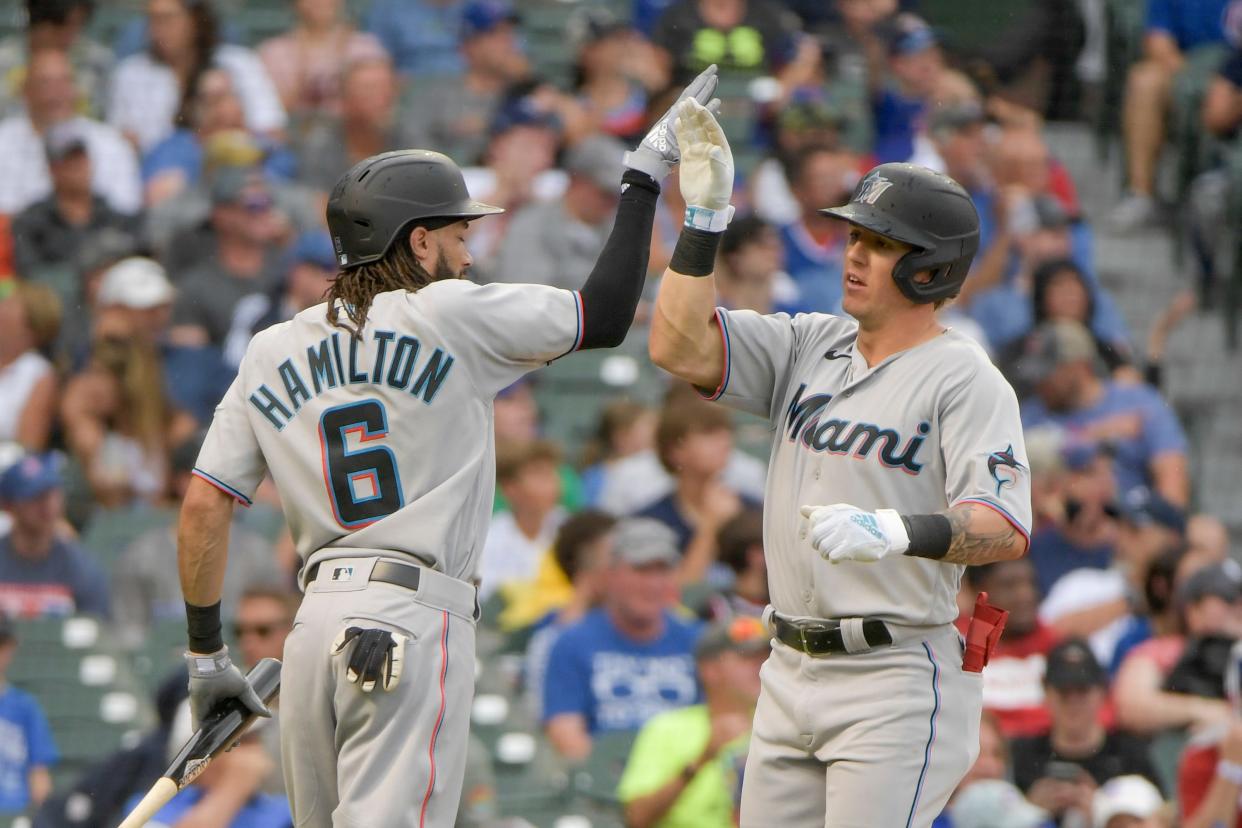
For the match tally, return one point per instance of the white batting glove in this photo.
(706, 167)
(658, 152)
(842, 532)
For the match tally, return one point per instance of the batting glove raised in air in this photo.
(213, 678)
(706, 167)
(658, 153)
(842, 532)
(376, 657)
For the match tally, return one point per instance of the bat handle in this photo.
(161, 794)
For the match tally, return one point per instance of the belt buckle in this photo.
(810, 626)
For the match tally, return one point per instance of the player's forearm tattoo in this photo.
(971, 546)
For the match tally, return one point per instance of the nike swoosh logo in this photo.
(832, 353)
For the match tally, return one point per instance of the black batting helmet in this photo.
(385, 195)
(928, 211)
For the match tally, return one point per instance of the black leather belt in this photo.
(824, 637)
(386, 572)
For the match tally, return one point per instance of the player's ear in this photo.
(421, 245)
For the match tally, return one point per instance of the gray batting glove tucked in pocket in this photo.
(376, 657)
(214, 678)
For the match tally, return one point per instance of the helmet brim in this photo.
(877, 221)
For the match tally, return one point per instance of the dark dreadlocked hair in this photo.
(352, 290)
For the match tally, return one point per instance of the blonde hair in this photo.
(42, 308)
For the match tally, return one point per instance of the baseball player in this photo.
(373, 415)
(867, 718)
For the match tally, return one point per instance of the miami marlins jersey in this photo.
(926, 429)
(385, 442)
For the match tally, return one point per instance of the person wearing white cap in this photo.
(1127, 802)
(139, 288)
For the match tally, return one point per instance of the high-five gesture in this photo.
(706, 167)
(658, 153)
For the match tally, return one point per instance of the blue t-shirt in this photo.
(615, 683)
(262, 811)
(183, 151)
(1190, 22)
(422, 37)
(1133, 420)
(817, 272)
(25, 743)
(65, 582)
(897, 120)
(1053, 556)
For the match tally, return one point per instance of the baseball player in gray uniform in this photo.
(912, 439)
(373, 415)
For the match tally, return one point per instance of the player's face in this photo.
(447, 256)
(869, 293)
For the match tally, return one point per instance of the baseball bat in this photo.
(221, 727)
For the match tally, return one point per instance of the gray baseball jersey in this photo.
(386, 442)
(926, 429)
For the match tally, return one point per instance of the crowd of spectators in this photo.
(162, 199)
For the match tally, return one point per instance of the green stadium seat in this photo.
(596, 778)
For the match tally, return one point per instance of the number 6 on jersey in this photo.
(363, 483)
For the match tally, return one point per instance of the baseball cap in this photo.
(995, 803)
(482, 16)
(592, 23)
(30, 477)
(1051, 345)
(744, 635)
(229, 183)
(315, 247)
(642, 541)
(522, 110)
(63, 140)
(1072, 666)
(599, 158)
(136, 282)
(1219, 580)
(1130, 795)
(909, 34)
(232, 148)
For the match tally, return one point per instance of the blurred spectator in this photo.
(749, 273)
(365, 126)
(29, 319)
(613, 72)
(261, 623)
(421, 35)
(1129, 802)
(625, 428)
(631, 659)
(754, 36)
(527, 475)
(220, 300)
(307, 63)
(694, 440)
(582, 556)
(146, 588)
(557, 242)
(1158, 616)
(453, 113)
(1061, 770)
(152, 90)
(41, 573)
(993, 762)
(29, 750)
(48, 234)
(59, 25)
(50, 98)
(118, 419)
(996, 803)
(1129, 420)
(1174, 31)
(819, 177)
(685, 768)
(1209, 603)
(213, 115)
(799, 125)
(740, 542)
(311, 268)
(227, 792)
(1209, 775)
(1013, 683)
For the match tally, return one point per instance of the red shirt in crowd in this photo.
(1196, 771)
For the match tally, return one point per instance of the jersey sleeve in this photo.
(501, 332)
(758, 356)
(983, 450)
(230, 458)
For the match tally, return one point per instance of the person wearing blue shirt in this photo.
(629, 660)
(41, 573)
(1128, 420)
(421, 35)
(1177, 31)
(814, 245)
(27, 750)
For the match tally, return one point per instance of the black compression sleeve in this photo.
(611, 292)
(204, 628)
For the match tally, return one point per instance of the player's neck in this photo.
(878, 341)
